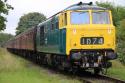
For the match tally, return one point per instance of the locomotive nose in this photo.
(91, 38)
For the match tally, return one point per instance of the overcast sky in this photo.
(47, 7)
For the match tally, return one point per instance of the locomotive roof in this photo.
(86, 7)
(79, 6)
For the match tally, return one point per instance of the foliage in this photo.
(117, 70)
(4, 9)
(28, 21)
(4, 37)
(118, 12)
(121, 40)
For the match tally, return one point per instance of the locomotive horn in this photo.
(80, 3)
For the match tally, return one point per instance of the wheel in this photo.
(97, 70)
(104, 71)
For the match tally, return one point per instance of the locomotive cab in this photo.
(90, 36)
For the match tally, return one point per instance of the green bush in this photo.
(120, 30)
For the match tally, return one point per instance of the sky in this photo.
(47, 7)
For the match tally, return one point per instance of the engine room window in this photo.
(80, 18)
(100, 17)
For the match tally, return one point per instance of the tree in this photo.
(118, 12)
(121, 40)
(4, 8)
(28, 21)
(4, 37)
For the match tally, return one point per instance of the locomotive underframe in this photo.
(92, 58)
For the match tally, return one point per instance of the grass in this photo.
(14, 69)
(117, 70)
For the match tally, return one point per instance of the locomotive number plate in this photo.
(92, 40)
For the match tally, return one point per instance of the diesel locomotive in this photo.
(81, 36)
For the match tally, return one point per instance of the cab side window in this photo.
(63, 19)
(54, 23)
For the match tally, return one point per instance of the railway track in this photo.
(114, 80)
(91, 78)
(87, 77)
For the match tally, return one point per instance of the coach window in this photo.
(45, 28)
(42, 35)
